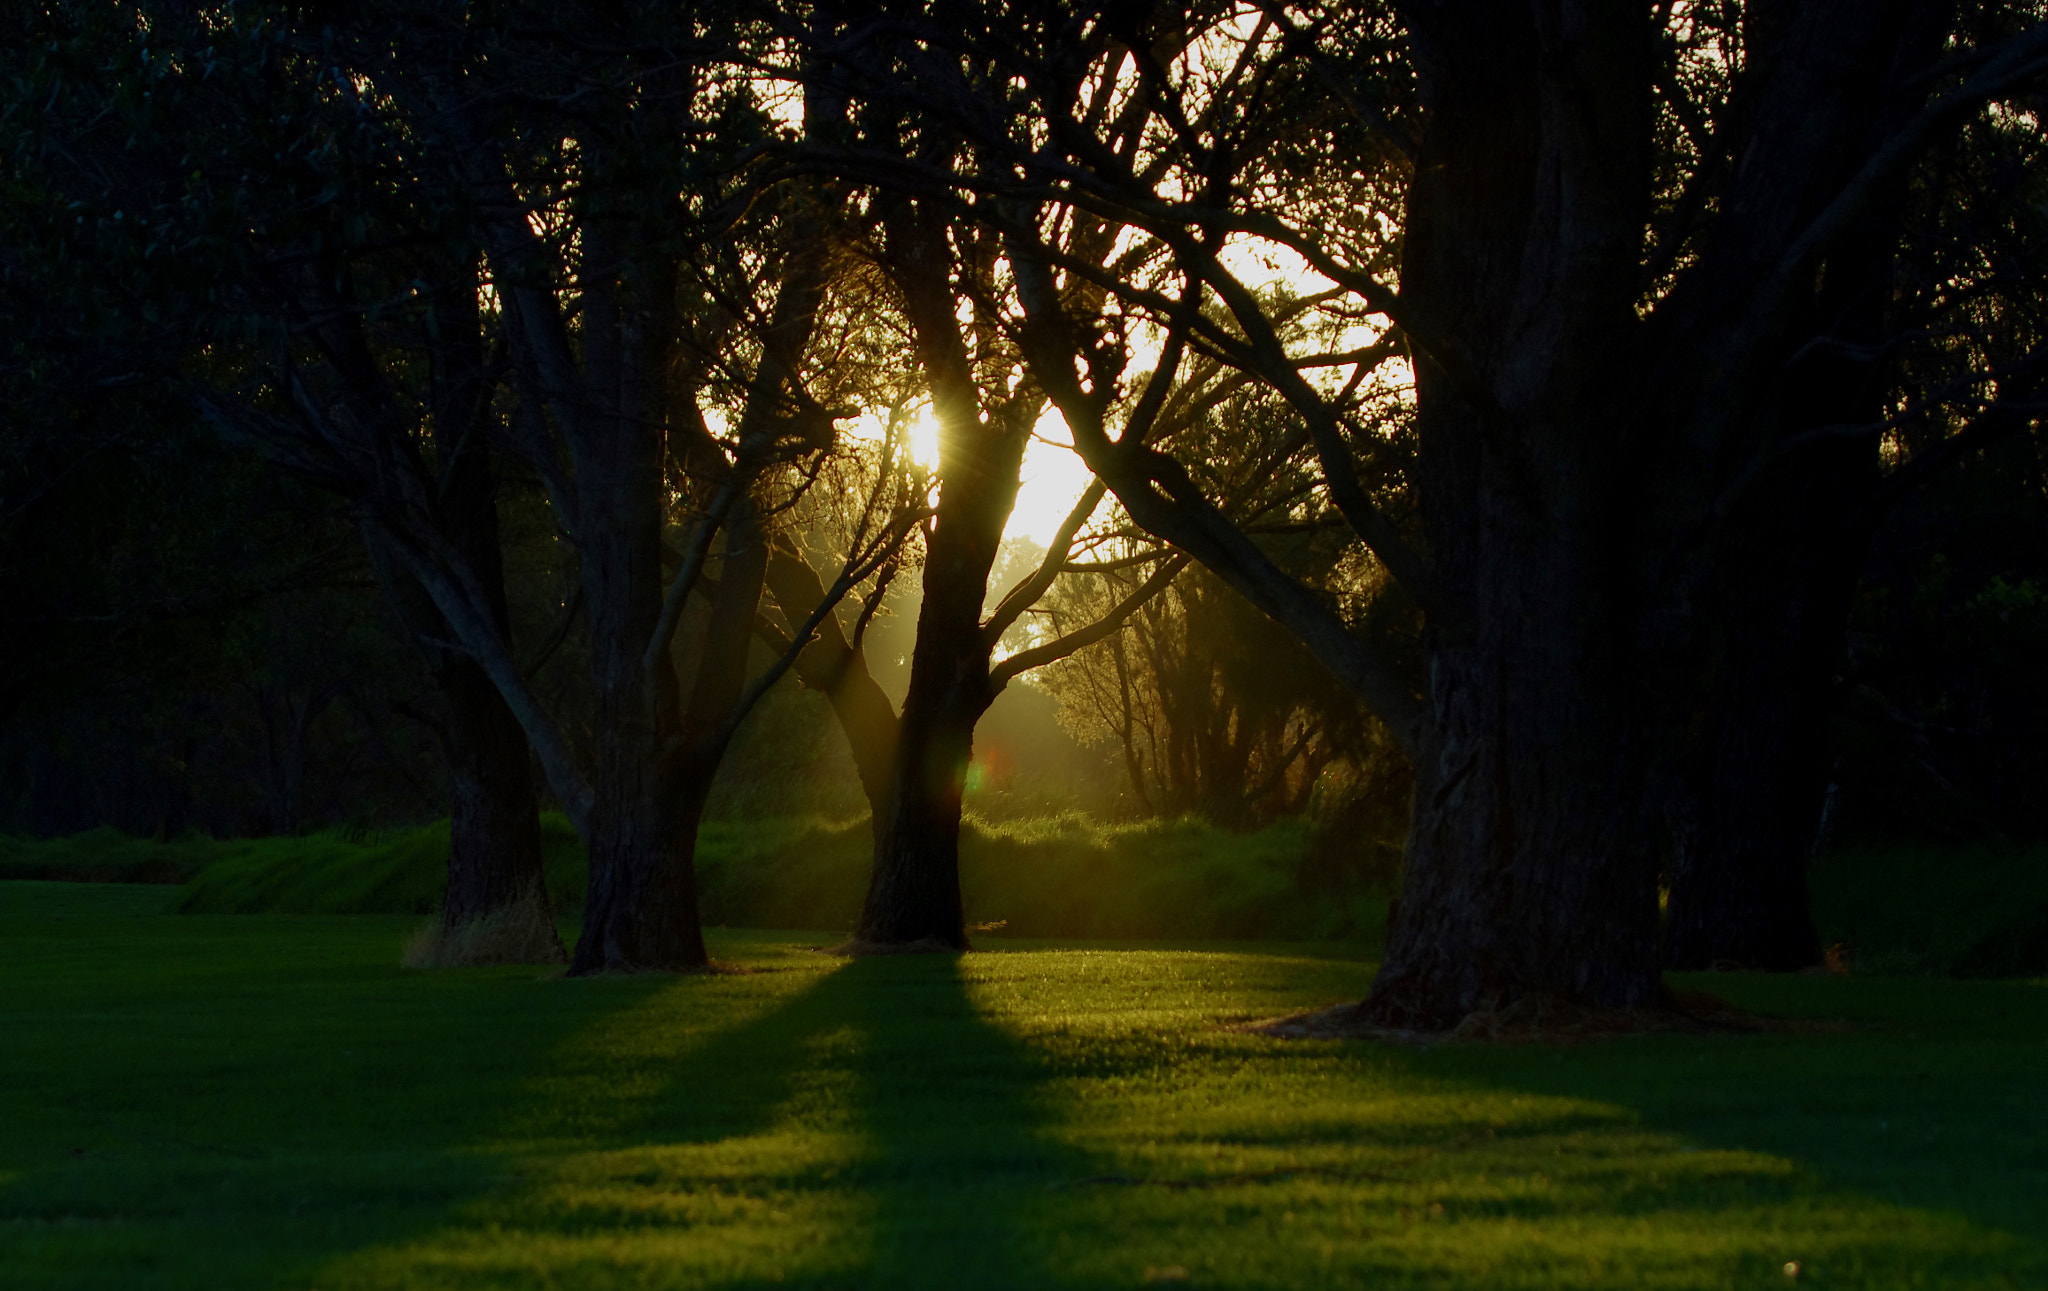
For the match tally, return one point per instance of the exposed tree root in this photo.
(1547, 1020)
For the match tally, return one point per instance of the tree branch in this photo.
(1059, 648)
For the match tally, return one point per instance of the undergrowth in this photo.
(1056, 876)
(1910, 908)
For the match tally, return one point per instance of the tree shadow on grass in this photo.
(1913, 1146)
(227, 1104)
(873, 1130)
(865, 1128)
(958, 1115)
(1933, 1099)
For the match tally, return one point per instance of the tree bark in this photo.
(494, 840)
(1748, 823)
(1616, 514)
(640, 911)
(914, 891)
(1528, 870)
(1528, 874)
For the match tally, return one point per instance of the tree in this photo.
(631, 339)
(429, 240)
(237, 155)
(1606, 347)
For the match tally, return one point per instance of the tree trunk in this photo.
(1744, 827)
(1749, 820)
(914, 892)
(640, 913)
(494, 841)
(1738, 891)
(1588, 490)
(1759, 766)
(1528, 874)
(653, 780)
(494, 849)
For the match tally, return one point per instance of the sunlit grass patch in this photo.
(270, 1101)
(769, 1207)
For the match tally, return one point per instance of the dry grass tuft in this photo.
(520, 933)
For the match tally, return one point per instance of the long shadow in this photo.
(959, 1115)
(1930, 1102)
(1935, 1098)
(232, 1102)
(940, 1117)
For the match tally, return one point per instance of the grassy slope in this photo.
(402, 873)
(1060, 876)
(268, 1102)
(106, 855)
(1975, 912)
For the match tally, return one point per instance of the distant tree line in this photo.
(1612, 429)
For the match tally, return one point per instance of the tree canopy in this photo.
(1543, 373)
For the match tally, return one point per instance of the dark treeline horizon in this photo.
(1617, 471)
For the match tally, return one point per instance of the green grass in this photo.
(1977, 911)
(1061, 876)
(106, 855)
(268, 1101)
(1964, 911)
(327, 873)
(1057, 876)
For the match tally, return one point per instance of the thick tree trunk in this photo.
(1756, 772)
(1758, 769)
(496, 888)
(1590, 495)
(1738, 891)
(1528, 872)
(494, 852)
(914, 891)
(654, 778)
(641, 912)
(1798, 537)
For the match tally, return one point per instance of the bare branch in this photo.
(1026, 593)
(1059, 648)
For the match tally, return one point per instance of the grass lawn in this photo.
(269, 1101)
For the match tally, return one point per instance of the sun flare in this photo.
(1053, 478)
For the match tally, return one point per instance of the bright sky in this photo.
(1054, 475)
(1054, 479)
